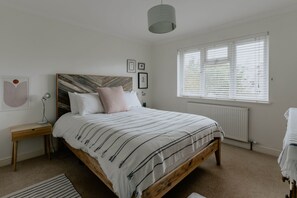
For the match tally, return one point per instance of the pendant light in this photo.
(161, 19)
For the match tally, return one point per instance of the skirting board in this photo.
(21, 157)
(256, 147)
(266, 150)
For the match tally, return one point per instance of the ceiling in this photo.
(128, 18)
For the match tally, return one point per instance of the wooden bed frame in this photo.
(89, 83)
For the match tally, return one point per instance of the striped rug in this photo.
(58, 186)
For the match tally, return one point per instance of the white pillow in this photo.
(89, 103)
(73, 103)
(131, 99)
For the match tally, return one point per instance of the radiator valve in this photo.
(252, 142)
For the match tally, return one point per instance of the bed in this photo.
(146, 159)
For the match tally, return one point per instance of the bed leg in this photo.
(292, 193)
(218, 153)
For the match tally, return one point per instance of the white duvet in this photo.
(137, 147)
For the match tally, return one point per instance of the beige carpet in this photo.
(243, 174)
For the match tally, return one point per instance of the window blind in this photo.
(192, 70)
(233, 70)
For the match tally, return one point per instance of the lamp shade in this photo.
(161, 19)
(46, 96)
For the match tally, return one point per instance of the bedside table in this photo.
(27, 131)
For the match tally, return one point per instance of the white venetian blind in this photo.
(191, 70)
(233, 70)
(217, 72)
(251, 69)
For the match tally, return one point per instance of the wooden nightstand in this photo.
(27, 131)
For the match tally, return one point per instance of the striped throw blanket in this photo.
(137, 147)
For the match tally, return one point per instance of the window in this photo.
(231, 70)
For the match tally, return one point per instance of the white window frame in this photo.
(231, 44)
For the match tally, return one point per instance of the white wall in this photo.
(267, 124)
(39, 48)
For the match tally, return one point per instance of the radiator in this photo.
(233, 120)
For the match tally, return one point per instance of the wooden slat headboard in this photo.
(84, 84)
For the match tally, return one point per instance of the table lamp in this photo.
(43, 99)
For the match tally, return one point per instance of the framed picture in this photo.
(14, 92)
(141, 66)
(142, 80)
(131, 66)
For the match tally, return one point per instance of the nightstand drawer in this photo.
(30, 131)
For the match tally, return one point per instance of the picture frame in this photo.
(142, 80)
(14, 93)
(131, 66)
(141, 66)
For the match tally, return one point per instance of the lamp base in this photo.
(42, 122)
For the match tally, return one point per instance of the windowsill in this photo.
(222, 99)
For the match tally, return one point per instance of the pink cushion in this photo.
(112, 99)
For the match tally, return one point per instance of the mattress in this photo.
(137, 147)
(288, 157)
